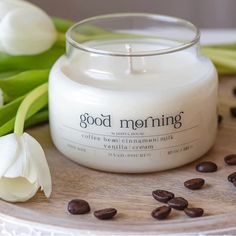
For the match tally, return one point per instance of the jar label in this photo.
(132, 137)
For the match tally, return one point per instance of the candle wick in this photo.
(129, 50)
(131, 61)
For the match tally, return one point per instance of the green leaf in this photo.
(9, 111)
(33, 62)
(5, 75)
(38, 118)
(7, 127)
(23, 82)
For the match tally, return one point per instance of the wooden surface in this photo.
(130, 193)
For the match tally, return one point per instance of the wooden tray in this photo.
(130, 194)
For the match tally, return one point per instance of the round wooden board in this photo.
(130, 193)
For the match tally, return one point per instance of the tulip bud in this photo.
(23, 168)
(24, 28)
(8, 5)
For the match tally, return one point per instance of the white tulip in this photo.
(1, 98)
(24, 28)
(8, 5)
(23, 168)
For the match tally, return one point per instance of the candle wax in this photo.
(133, 114)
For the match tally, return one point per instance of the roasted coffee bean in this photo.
(220, 118)
(230, 159)
(234, 182)
(234, 91)
(178, 203)
(232, 177)
(105, 214)
(78, 206)
(162, 195)
(160, 213)
(194, 184)
(206, 166)
(233, 111)
(194, 212)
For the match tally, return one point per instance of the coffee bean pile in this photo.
(79, 207)
(177, 203)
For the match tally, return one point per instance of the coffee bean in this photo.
(194, 184)
(78, 206)
(194, 212)
(220, 119)
(234, 91)
(162, 195)
(206, 166)
(233, 111)
(232, 177)
(161, 213)
(105, 214)
(230, 159)
(234, 182)
(178, 203)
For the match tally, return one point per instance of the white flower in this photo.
(1, 98)
(24, 28)
(23, 168)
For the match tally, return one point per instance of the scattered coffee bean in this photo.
(194, 184)
(160, 213)
(178, 203)
(230, 159)
(206, 166)
(234, 182)
(78, 206)
(105, 214)
(162, 195)
(233, 111)
(234, 91)
(220, 119)
(232, 177)
(194, 212)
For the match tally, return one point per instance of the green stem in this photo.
(62, 25)
(61, 40)
(32, 103)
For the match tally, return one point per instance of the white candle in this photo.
(133, 114)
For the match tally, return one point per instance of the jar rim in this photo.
(163, 18)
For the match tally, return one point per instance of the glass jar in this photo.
(133, 94)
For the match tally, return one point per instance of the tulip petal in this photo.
(38, 159)
(17, 189)
(9, 149)
(8, 5)
(27, 31)
(22, 164)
